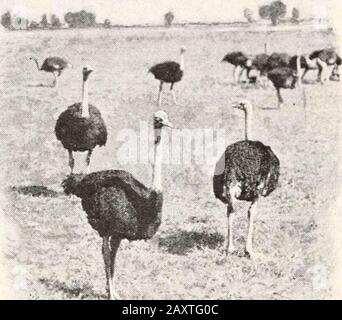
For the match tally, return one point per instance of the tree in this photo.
(248, 14)
(34, 25)
(295, 15)
(6, 20)
(168, 18)
(107, 23)
(81, 19)
(274, 11)
(44, 22)
(55, 21)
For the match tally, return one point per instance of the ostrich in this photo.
(120, 207)
(240, 62)
(246, 170)
(81, 127)
(169, 72)
(55, 65)
(276, 60)
(259, 63)
(305, 63)
(283, 78)
(325, 58)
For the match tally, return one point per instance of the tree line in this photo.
(275, 12)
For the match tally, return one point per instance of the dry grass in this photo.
(59, 254)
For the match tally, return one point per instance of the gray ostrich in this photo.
(246, 170)
(169, 72)
(81, 127)
(54, 65)
(120, 207)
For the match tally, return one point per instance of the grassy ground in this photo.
(58, 256)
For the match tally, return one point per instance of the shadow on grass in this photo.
(73, 291)
(40, 85)
(183, 241)
(36, 191)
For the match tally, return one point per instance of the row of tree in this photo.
(79, 19)
(274, 11)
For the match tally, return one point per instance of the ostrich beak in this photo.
(167, 123)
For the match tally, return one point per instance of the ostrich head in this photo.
(87, 70)
(243, 105)
(161, 119)
(183, 49)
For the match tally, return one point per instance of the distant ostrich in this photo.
(81, 127)
(259, 63)
(276, 60)
(305, 63)
(240, 61)
(325, 58)
(246, 170)
(169, 72)
(120, 207)
(283, 78)
(55, 65)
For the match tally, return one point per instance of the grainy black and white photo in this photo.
(170, 150)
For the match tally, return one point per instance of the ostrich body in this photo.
(277, 60)
(120, 207)
(259, 63)
(246, 170)
(283, 78)
(169, 72)
(240, 61)
(81, 127)
(54, 65)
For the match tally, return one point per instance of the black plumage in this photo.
(77, 133)
(283, 78)
(117, 204)
(236, 58)
(252, 165)
(328, 56)
(120, 207)
(277, 60)
(259, 63)
(169, 72)
(245, 171)
(54, 65)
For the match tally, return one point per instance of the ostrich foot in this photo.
(114, 296)
(250, 254)
(229, 249)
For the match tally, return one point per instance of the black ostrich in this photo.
(323, 59)
(276, 60)
(259, 63)
(246, 170)
(283, 78)
(169, 72)
(240, 61)
(81, 127)
(55, 65)
(120, 207)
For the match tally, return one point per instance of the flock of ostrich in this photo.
(120, 207)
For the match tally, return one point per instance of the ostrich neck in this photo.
(157, 166)
(182, 62)
(37, 63)
(248, 123)
(85, 102)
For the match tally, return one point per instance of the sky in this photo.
(130, 12)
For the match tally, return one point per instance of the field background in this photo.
(58, 256)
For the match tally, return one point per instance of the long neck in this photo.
(158, 146)
(248, 123)
(85, 102)
(37, 64)
(182, 61)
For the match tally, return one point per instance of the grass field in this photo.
(58, 256)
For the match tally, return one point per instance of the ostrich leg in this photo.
(251, 216)
(106, 252)
(160, 93)
(54, 83)
(280, 98)
(173, 95)
(229, 246)
(114, 246)
(88, 160)
(71, 161)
